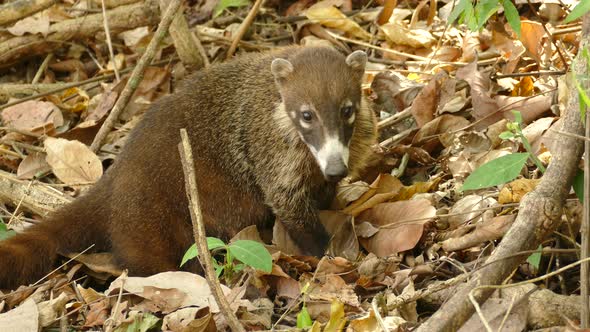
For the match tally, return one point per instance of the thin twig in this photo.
(42, 68)
(136, 75)
(109, 323)
(62, 87)
(105, 22)
(192, 193)
(585, 233)
(243, 28)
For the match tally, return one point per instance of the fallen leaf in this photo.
(72, 161)
(489, 230)
(332, 17)
(194, 286)
(399, 233)
(35, 116)
(189, 320)
(38, 23)
(399, 34)
(50, 310)
(33, 165)
(514, 191)
(24, 318)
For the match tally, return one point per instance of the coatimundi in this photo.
(272, 134)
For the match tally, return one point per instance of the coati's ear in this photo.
(357, 60)
(281, 68)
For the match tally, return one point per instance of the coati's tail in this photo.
(30, 255)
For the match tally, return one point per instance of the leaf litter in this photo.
(443, 95)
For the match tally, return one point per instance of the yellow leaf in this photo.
(337, 318)
(332, 17)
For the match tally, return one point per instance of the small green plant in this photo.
(506, 168)
(580, 9)
(224, 4)
(250, 253)
(303, 317)
(5, 233)
(476, 13)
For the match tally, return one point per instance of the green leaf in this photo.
(578, 185)
(192, 252)
(584, 99)
(303, 318)
(458, 10)
(484, 9)
(469, 17)
(512, 16)
(535, 258)
(251, 253)
(5, 233)
(497, 171)
(224, 4)
(506, 135)
(582, 8)
(517, 117)
(142, 322)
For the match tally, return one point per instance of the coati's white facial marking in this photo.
(332, 151)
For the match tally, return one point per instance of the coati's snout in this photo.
(322, 112)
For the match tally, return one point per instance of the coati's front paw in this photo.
(316, 243)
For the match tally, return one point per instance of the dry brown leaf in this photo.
(407, 192)
(426, 103)
(72, 161)
(24, 318)
(514, 191)
(383, 188)
(97, 314)
(50, 310)
(33, 164)
(134, 36)
(399, 34)
(194, 286)
(35, 116)
(346, 193)
(393, 92)
(469, 209)
(404, 221)
(484, 107)
(189, 320)
(488, 230)
(531, 36)
(332, 17)
(38, 23)
(344, 242)
(530, 108)
(441, 129)
(283, 241)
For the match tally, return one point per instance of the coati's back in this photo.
(272, 133)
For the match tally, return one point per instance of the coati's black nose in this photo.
(336, 170)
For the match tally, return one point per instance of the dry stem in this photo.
(136, 75)
(243, 28)
(192, 193)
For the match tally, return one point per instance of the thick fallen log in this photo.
(120, 19)
(15, 10)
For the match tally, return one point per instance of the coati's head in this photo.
(321, 96)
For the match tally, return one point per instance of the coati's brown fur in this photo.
(251, 165)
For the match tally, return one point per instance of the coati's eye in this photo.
(306, 115)
(347, 111)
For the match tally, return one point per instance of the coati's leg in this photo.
(150, 250)
(297, 209)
